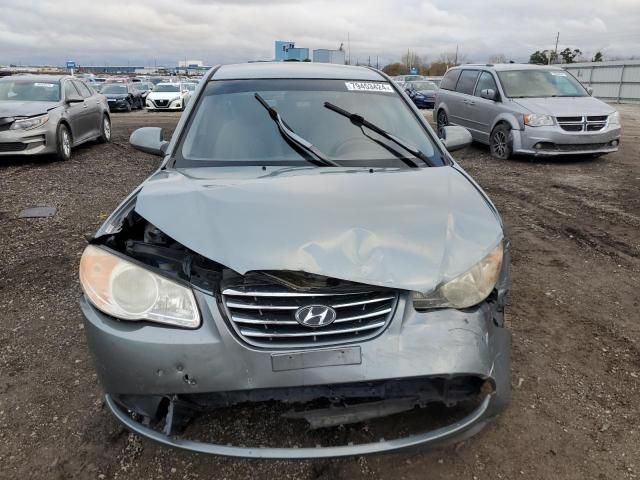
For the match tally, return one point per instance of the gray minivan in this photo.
(526, 109)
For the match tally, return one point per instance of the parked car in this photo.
(435, 80)
(191, 86)
(168, 96)
(527, 109)
(144, 88)
(307, 240)
(408, 78)
(422, 92)
(45, 114)
(122, 96)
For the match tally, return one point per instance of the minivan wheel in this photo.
(441, 121)
(105, 130)
(501, 142)
(63, 143)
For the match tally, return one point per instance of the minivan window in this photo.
(540, 83)
(467, 81)
(485, 82)
(450, 79)
(230, 126)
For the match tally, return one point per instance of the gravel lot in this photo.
(575, 231)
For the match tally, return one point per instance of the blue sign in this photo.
(413, 71)
(71, 64)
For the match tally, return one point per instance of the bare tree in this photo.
(412, 59)
(498, 58)
(450, 58)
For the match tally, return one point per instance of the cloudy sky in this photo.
(148, 32)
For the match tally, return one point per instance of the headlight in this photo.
(537, 120)
(614, 118)
(127, 291)
(29, 123)
(467, 289)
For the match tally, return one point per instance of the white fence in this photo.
(611, 81)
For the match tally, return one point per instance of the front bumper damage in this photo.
(139, 365)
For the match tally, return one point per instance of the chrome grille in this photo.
(265, 317)
(591, 123)
(161, 103)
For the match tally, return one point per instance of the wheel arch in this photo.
(508, 120)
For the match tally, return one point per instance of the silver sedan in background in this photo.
(50, 115)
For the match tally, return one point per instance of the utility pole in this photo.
(556, 49)
(377, 63)
(455, 62)
(349, 46)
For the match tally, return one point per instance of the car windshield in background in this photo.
(29, 91)
(114, 89)
(165, 87)
(423, 85)
(540, 83)
(231, 126)
(190, 86)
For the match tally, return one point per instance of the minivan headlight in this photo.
(128, 291)
(614, 118)
(468, 288)
(29, 123)
(537, 120)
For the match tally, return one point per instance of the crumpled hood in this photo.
(25, 109)
(401, 228)
(565, 106)
(164, 95)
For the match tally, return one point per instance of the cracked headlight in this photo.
(29, 123)
(468, 288)
(537, 120)
(614, 118)
(127, 291)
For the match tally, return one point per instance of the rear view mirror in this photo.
(149, 140)
(489, 94)
(455, 138)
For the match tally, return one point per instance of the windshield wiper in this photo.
(360, 121)
(296, 141)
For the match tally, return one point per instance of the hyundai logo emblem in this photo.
(315, 316)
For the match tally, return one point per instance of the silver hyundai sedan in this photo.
(45, 114)
(308, 244)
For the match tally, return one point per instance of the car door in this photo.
(482, 111)
(464, 90)
(93, 108)
(76, 113)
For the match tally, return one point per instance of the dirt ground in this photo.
(575, 232)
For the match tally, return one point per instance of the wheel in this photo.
(105, 130)
(441, 121)
(501, 142)
(63, 143)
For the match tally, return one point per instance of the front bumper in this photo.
(175, 105)
(424, 102)
(145, 359)
(552, 140)
(38, 141)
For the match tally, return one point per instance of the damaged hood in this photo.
(14, 108)
(401, 228)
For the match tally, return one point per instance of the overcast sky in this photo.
(148, 32)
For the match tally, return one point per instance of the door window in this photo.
(467, 81)
(70, 90)
(485, 82)
(83, 89)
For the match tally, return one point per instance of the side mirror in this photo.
(74, 99)
(489, 94)
(590, 90)
(149, 140)
(454, 137)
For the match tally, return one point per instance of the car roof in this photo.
(260, 70)
(500, 67)
(42, 78)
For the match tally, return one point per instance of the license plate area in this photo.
(316, 358)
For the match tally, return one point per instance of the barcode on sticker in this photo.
(369, 87)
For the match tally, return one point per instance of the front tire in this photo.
(63, 143)
(501, 142)
(105, 130)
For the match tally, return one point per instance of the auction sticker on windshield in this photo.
(369, 87)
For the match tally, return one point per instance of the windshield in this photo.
(166, 87)
(143, 86)
(114, 89)
(230, 126)
(29, 91)
(540, 83)
(424, 85)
